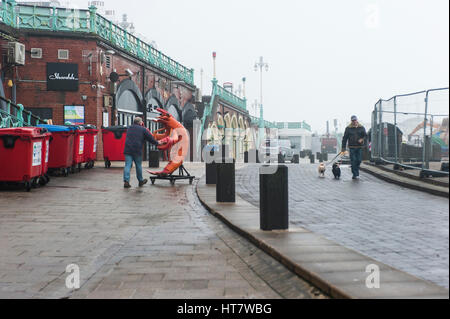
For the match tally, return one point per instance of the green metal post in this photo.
(13, 13)
(8, 111)
(111, 38)
(54, 19)
(93, 19)
(125, 42)
(20, 115)
(206, 113)
(29, 119)
(138, 48)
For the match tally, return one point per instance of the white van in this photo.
(276, 147)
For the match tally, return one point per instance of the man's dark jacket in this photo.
(353, 135)
(136, 136)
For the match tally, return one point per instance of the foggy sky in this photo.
(328, 59)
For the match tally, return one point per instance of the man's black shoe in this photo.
(143, 183)
(126, 185)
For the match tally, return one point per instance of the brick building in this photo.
(69, 58)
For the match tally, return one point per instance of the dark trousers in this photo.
(356, 155)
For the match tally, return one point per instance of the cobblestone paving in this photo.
(151, 242)
(406, 229)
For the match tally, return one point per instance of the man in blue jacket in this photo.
(355, 135)
(137, 134)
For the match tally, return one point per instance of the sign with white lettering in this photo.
(37, 154)
(81, 145)
(62, 77)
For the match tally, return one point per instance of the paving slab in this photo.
(337, 270)
(404, 228)
(150, 242)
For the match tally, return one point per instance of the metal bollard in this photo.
(274, 199)
(251, 156)
(153, 159)
(312, 159)
(226, 187)
(211, 173)
(224, 151)
(255, 155)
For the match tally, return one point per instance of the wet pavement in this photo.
(150, 242)
(403, 228)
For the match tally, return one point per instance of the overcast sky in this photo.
(328, 59)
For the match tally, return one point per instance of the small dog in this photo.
(337, 171)
(322, 170)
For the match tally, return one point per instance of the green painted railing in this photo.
(282, 125)
(267, 124)
(55, 19)
(294, 125)
(15, 116)
(306, 126)
(230, 97)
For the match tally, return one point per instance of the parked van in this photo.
(276, 147)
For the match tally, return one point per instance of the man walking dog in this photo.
(137, 134)
(355, 135)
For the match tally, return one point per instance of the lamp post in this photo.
(260, 65)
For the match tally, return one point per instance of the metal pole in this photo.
(260, 65)
(395, 130)
(380, 129)
(214, 66)
(261, 83)
(424, 160)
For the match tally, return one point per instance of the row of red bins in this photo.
(28, 154)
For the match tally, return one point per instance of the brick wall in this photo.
(32, 87)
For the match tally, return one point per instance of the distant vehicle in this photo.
(329, 145)
(286, 150)
(278, 147)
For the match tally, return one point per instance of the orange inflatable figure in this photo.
(174, 138)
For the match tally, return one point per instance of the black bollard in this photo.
(246, 157)
(251, 156)
(296, 159)
(319, 157)
(226, 187)
(274, 199)
(225, 151)
(211, 173)
(325, 157)
(256, 155)
(312, 159)
(153, 159)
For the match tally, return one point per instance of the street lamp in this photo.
(260, 65)
(255, 107)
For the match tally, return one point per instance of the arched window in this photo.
(128, 102)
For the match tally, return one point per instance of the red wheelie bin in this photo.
(90, 146)
(61, 149)
(114, 138)
(78, 147)
(21, 155)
